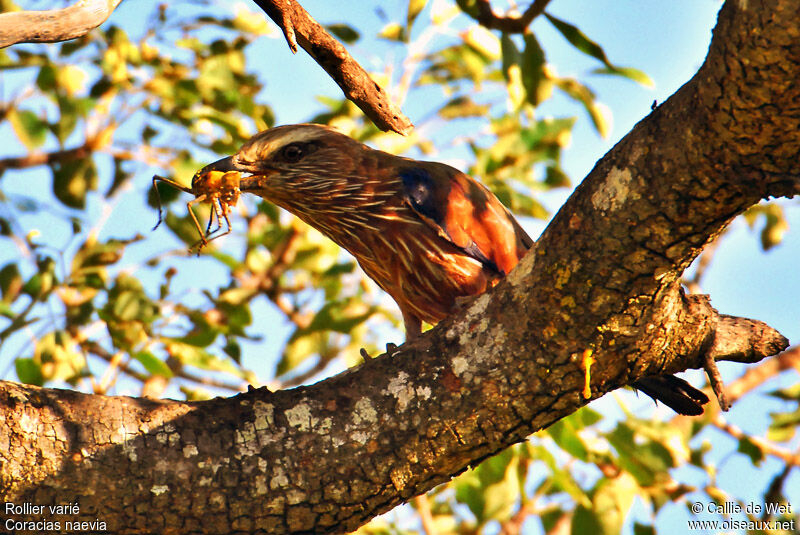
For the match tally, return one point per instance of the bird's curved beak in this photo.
(224, 165)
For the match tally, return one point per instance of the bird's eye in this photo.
(293, 152)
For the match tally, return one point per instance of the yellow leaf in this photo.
(71, 78)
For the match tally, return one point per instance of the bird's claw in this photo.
(391, 349)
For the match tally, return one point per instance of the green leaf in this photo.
(189, 355)
(775, 225)
(234, 350)
(791, 393)
(537, 85)
(461, 107)
(415, 7)
(584, 521)
(301, 347)
(783, 425)
(579, 40)
(10, 282)
(46, 80)
(585, 96)
(30, 129)
(631, 73)
(555, 177)
(559, 479)
(470, 7)
(29, 371)
(492, 489)
(611, 502)
(646, 459)
(339, 316)
(565, 432)
(393, 32)
(153, 364)
(643, 529)
(73, 180)
(345, 32)
(200, 336)
(751, 449)
(41, 283)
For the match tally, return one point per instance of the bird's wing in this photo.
(465, 213)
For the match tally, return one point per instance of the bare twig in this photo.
(54, 25)
(323, 361)
(789, 457)
(423, 506)
(757, 375)
(98, 350)
(42, 158)
(299, 28)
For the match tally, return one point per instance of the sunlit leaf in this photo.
(190, 355)
(462, 106)
(631, 73)
(775, 224)
(29, 371)
(394, 32)
(30, 129)
(783, 425)
(73, 180)
(491, 489)
(10, 282)
(153, 364)
(579, 40)
(538, 86)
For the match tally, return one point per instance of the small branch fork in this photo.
(486, 17)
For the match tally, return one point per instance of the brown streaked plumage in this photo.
(384, 210)
(425, 232)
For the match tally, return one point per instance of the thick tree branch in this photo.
(298, 27)
(54, 25)
(604, 276)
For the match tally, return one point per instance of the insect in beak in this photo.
(213, 185)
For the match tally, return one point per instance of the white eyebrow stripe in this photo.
(262, 147)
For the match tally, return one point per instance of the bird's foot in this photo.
(462, 301)
(391, 349)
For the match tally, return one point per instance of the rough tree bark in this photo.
(604, 275)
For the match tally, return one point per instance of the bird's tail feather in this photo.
(673, 392)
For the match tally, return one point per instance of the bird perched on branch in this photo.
(423, 231)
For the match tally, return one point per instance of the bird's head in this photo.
(311, 170)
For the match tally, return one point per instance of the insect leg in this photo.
(156, 179)
(202, 242)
